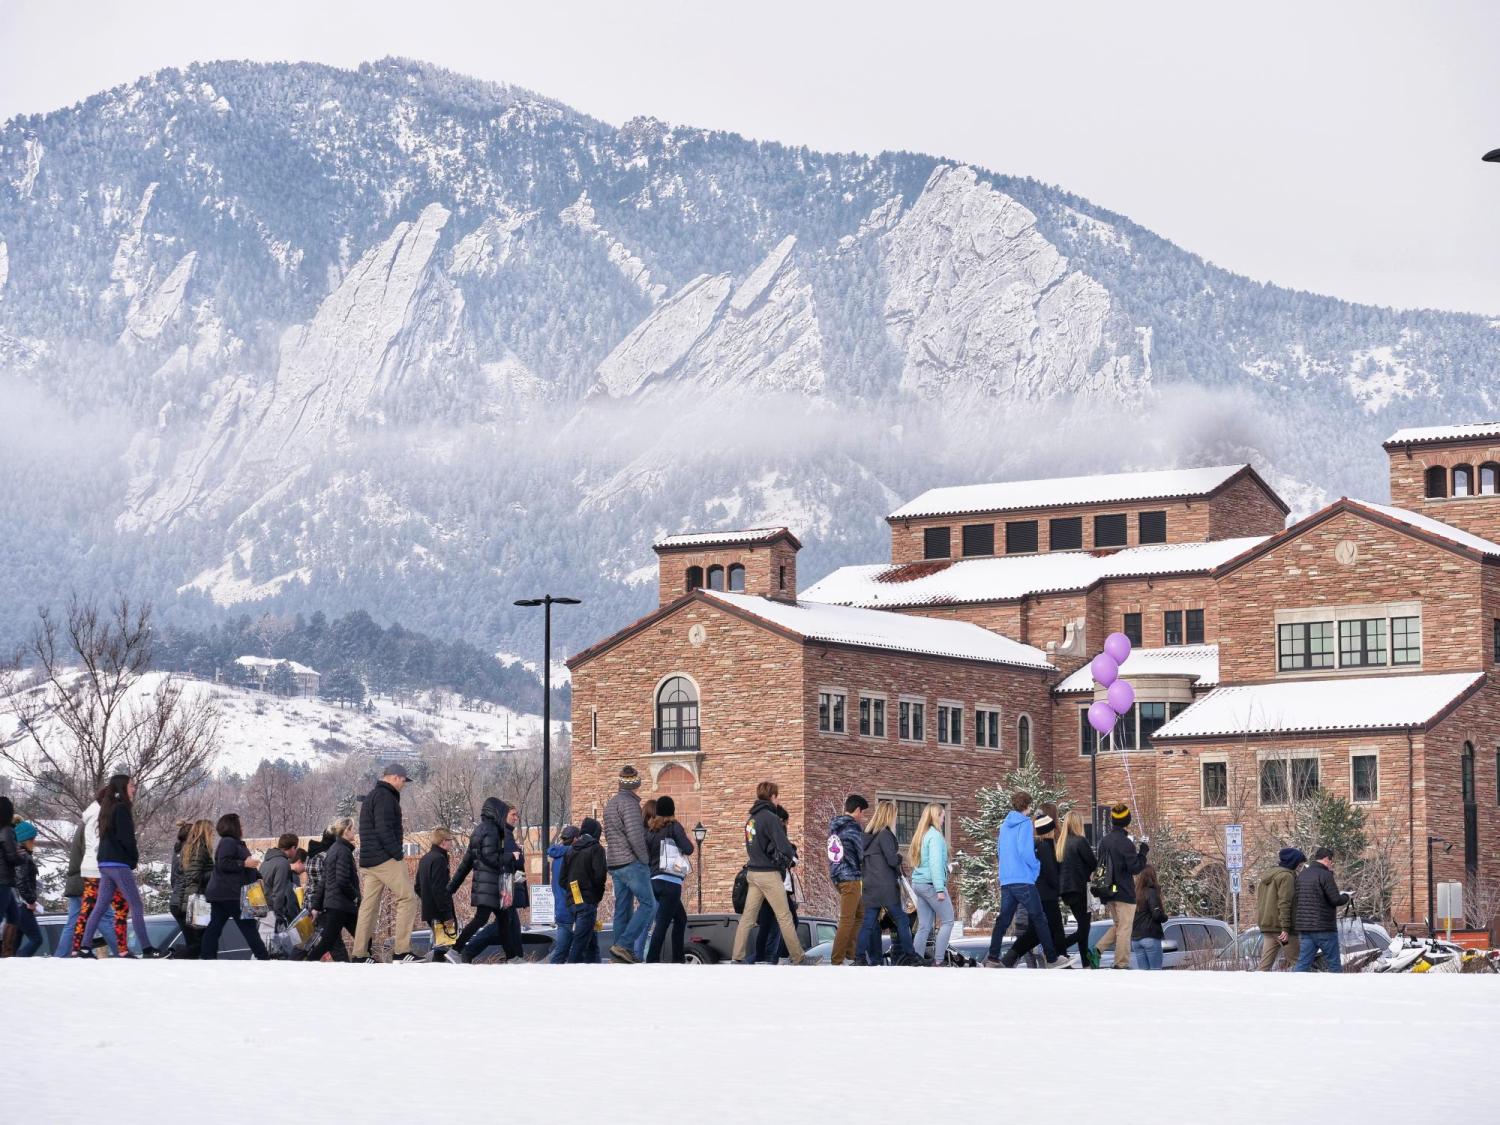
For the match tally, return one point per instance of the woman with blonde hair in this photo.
(192, 864)
(1076, 864)
(335, 900)
(882, 889)
(928, 856)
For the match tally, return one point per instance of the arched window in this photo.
(1437, 482)
(1463, 480)
(695, 578)
(1471, 809)
(1023, 739)
(716, 578)
(1489, 479)
(676, 715)
(737, 578)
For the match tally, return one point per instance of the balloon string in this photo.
(1129, 777)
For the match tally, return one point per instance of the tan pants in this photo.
(1123, 916)
(851, 899)
(374, 882)
(1271, 949)
(765, 886)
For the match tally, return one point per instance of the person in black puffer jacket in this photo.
(234, 870)
(335, 899)
(670, 914)
(1076, 866)
(1316, 913)
(491, 856)
(1146, 932)
(21, 912)
(584, 878)
(118, 857)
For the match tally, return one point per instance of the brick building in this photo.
(1353, 651)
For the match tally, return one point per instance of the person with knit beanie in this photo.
(1122, 861)
(629, 859)
(1275, 903)
(21, 912)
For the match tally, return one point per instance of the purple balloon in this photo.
(1104, 669)
(1120, 695)
(1117, 645)
(1101, 718)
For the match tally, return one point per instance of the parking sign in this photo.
(1234, 847)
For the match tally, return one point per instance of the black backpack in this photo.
(741, 890)
(1103, 886)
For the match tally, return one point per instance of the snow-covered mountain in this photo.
(288, 336)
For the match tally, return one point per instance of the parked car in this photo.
(161, 927)
(1358, 939)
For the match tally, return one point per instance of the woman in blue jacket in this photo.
(928, 856)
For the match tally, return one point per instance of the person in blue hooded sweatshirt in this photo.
(562, 913)
(1019, 868)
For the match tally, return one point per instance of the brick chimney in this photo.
(758, 561)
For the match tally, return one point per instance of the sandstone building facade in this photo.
(1353, 651)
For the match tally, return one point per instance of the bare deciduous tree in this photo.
(88, 713)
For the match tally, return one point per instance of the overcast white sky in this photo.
(1326, 146)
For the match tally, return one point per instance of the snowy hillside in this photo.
(958, 1051)
(255, 726)
(290, 337)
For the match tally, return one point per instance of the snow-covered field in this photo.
(534, 1043)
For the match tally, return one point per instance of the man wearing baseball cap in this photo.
(1316, 913)
(382, 866)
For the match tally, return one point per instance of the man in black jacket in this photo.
(1316, 913)
(1122, 862)
(382, 866)
(768, 855)
(432, 890)
(583, 880)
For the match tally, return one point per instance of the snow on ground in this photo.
(663, 1043)
(255, 725)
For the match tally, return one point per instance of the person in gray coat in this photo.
(276, 876)
(628, 858)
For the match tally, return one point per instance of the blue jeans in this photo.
(1012, 896)
(867, 949)
(1146, 952)
(1325, 940)
(562, 942)
(584, 915)
(635, 904)
(933, 910)
(65, 935)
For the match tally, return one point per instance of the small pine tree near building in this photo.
(978, 867)
(280, 681)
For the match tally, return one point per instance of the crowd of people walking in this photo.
(303, 903)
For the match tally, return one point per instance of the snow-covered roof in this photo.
(1434, 527)
(1160, 484)
(726, 538)
(1362, 703)
(873, 628)
(1199, 661)
(271, 662)
(1015, 576)
(1416, 435)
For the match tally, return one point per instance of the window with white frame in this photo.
(1352, 637)
(1287, 778)
(950, 724)
(911, 723)
(1213, 774)
(1364, 777)
(987, 728)
(872, 716)
(831, 706)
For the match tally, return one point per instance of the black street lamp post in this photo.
(1431, 886)
(699, 834)
(547, 602)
